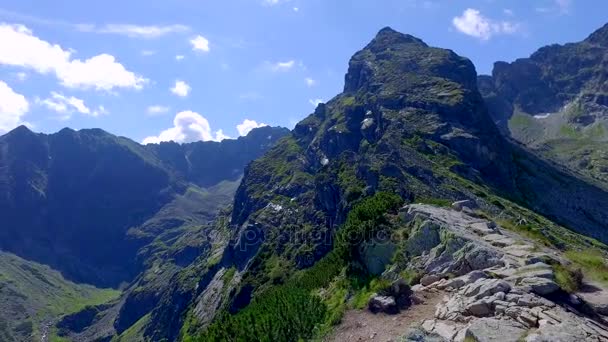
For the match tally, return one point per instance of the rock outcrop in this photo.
(497, 291)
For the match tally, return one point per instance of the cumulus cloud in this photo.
(315, 102)
(473, 23)
(157, 110)
(188, 126)
(200, 43)
(67, 105)
(21, 48)
(247, 125)
(12, 107)
(179, 57)
(310, 82)
(181, 88)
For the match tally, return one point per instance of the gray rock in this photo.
(564, 332)
(540, 286)
(492, 286)
(429, 279)
(490, 329)
(480, 308)
(466, 279)
(459, 205)
(382, 304)
(419, 335)
(595, 297)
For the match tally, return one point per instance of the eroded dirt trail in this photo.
(362, 325)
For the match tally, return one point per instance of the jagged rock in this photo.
(480, 308)
(429, 279)
(531, 301)
(460, 205)
(490, 329)
(424, 238)
(461, 281)
(488, 287)
(384, 304)
(541, 286)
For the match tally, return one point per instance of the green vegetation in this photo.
(313, 300)
(364, 220)
(35, 293)
(567, 278)
(525, 229)
(592, 262)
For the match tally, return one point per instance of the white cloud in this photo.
(21, 76)
(247, 125)
(188, 126)
(179, 57)
(21, 48)
(68, 105)
(181, 88)
(12, 107)
(473, 23)
(281, 66)
(137, 31)
(157, 110)
(315, 102)
(296, 9)
(200, 43)
(148, 52)
(310, 82)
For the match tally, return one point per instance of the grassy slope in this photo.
(32, 294)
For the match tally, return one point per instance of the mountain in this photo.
(410, 121)
(104, 210)
(555, 102)
(318, 223)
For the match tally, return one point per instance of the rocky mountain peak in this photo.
(599, 37)
(400, 63)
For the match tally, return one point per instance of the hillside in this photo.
(32, 296)
(106, 211)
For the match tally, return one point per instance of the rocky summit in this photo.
(422, 203)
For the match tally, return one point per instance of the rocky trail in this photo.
(494, 286)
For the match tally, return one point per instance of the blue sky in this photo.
(189, 70)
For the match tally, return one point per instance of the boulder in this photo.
(540, 286)
(492, 286)
(480, 308)
(490, 329)
(429, 279)
(459, 205)
(384, 304)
